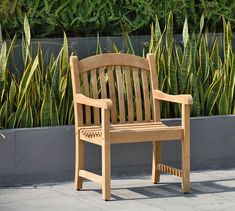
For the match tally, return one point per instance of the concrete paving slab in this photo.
(211, 190)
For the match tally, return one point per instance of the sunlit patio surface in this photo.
(210, 190)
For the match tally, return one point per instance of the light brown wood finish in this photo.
(91, 176)
(79, 145)
(146, 96)
(112, 94)
(135, 133)
(102, 77)
(86, 93)
(183, 99)
(156, 117)
(170, 170)
(110, 59)
(98, 103)
(120, 94)
(138, 100)
(129, 95)
(106, 159)
(95, 96)
(124, 130)
(156, 161)
(79, 161)
(186, 148)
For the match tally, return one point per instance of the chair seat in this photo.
(129, 133)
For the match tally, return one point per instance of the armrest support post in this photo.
(106, 154)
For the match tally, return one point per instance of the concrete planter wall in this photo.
(47, 154)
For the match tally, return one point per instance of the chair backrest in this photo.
(126, 79)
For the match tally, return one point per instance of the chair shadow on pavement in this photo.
(164, 190)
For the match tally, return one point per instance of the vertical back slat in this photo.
(129, 95)
(86, 92)
(154, 85)
(76, 89)
(95, 96)
(112, 94)
(120, 94)
(146, 95)
(103, 82)
(137, 95)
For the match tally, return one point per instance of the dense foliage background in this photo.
(202, 65)
(42, 94)
(49, 18)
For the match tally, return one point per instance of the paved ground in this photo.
(211, 190)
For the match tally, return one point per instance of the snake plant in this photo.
(42, 95)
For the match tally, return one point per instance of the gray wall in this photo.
(86, 46)
(47, 154)
(82, 46)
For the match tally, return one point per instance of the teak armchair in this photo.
(124, 87)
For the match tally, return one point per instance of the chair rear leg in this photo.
(79, 162)
(186, 165)
(106, 171)
(156, 160)
(186, 148)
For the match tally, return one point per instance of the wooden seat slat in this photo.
(135, 134)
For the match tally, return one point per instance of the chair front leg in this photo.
(156, 161)
(186, 148)
(106, 155)
(79, 161)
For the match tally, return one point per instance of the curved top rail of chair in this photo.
(112, 59)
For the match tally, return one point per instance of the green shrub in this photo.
(195, 68)
(43, 96)
(109, 17)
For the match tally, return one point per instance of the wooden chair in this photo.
(123, 86)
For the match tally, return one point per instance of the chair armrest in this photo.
(100, 103)
(183, 99)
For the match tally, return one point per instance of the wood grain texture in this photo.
(135, 132)
(183, 99)
(112, 94)
(186, 148)
(122, 115)
(86, 93)
(155, 161)
(106, 154)
(98, 103)
(138, 100)
(102, 77)
(95, 96)
(110, 59)
(129, 79)
(130, 105)
(147, 113)
(79, 145)
(91, 176)
(168, 169)
(156, 118)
